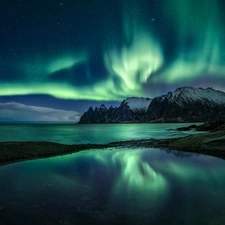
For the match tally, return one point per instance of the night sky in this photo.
(57, 58)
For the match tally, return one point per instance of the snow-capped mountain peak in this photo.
(190, 94)
(137, 104)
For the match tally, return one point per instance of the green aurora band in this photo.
(140, 59)
(205, 56)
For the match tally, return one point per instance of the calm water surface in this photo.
(80, 134)
(114, 186)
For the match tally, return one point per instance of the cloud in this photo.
(12, 111)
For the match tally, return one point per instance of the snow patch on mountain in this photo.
(138, 104)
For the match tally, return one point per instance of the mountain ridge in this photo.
(185, 104)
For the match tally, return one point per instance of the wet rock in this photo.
(187, 128)
(210, 126)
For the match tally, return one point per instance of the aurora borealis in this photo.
(108, 50)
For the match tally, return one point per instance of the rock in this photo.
(211, 126)
(187, 128)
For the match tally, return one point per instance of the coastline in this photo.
(211, 143)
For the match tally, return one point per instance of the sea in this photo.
(89, 133)
(121, 185)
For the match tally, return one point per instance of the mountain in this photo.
(185, 104)
(131, 110)
(138, 104)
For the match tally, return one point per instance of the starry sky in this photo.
(64, 56)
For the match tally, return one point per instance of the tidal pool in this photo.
(114, 186)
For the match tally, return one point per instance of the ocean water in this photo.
(114, 186)
(82, 134)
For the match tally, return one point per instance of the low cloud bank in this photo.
(13, 111)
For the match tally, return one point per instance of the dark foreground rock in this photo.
(218, 125)
(208, 126)
(187, 128)
(211, 143)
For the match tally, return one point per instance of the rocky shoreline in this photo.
(210, 143)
